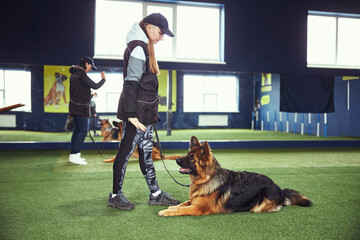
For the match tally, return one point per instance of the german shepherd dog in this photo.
(109, 132)
(214, 189)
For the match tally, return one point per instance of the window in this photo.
(198, 40)
(209, 93)
(333, 40)
(198, 29)
(112, 21)
(108, 95)
(15, 87)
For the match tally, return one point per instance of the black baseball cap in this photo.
(159, 20)
(89, 60)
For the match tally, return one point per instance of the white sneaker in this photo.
(75, 158)
(79, 156)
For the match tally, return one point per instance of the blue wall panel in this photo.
(342, 122)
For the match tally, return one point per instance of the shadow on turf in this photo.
(89, 207)
(95, 164)
(98, 207)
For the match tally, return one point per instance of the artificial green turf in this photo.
(44, 197)
(184, 134)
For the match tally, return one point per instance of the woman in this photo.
(138, 109)
(79, 107)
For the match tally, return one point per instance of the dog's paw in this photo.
(163, 213)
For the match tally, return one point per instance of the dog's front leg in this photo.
(184, 204)
(191, 210)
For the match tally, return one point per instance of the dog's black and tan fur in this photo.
(214, 189)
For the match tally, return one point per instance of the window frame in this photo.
(336, 65)
(173, 5)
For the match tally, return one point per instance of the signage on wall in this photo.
(163, 88)
(265, 87)
(345, 78)
(266, 82)
(56, 89)
(265, 100)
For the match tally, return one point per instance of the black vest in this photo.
(147, 95)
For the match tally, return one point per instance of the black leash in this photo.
(157, 138)
(92, 139)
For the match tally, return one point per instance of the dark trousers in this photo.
(130, 138)
(81, 127)
(93, 123)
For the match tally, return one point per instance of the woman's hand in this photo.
(103, 75)
(137, 124)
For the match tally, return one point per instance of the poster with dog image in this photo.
(56, 89)
(163, 88)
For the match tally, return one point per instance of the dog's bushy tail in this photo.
(293, 197)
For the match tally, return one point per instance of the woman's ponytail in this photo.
(153, 65)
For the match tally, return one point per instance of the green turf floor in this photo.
(44, 197)
(184, 134)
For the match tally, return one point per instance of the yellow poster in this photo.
(56, 89)
(266, 82)
(265, 79)
(163, 90)
(265, 100)
(345, 78)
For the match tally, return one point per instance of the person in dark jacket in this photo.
(138, 109)
(93, 118)
(79, 107)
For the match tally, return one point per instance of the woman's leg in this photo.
(145, 159)
(76, 130)
(83, 125)
(126, 148)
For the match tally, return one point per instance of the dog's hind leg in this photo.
(266, 206)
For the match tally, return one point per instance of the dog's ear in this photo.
(57, 74)
(117, 124)
(194, 142)
(63, 77)
(205, 149)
